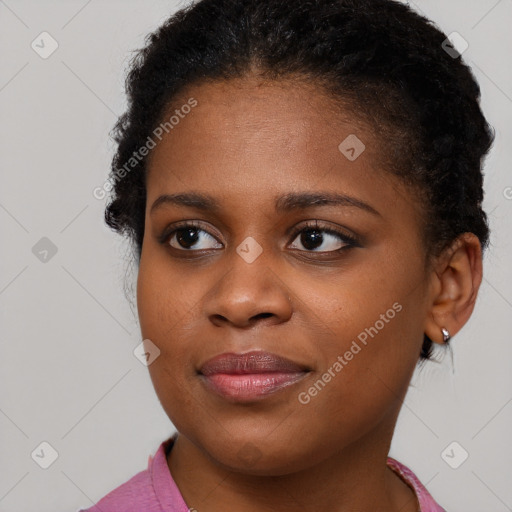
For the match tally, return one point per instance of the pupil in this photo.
(182, 240)
(312, 234)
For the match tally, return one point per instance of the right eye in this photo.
(186, 236)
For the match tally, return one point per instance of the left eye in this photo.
(321, 240)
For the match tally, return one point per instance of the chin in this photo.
(259, 458)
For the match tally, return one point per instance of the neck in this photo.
(356, 478)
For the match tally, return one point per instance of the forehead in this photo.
(250, 138)
(295, 109)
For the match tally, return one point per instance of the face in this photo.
(319, 306)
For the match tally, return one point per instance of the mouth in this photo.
(250, 376)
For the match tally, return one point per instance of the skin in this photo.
(244, 144)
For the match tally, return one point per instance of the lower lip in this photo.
(251, 386)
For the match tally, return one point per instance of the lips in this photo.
(250, 376)
(250, 362)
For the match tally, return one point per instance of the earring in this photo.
(446, 335)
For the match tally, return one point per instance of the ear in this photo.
(455, 281)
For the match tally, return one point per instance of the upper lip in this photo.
(250, 362)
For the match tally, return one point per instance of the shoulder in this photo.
(137, 493)
(427, 502)
(151, 490)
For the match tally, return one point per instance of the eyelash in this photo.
(348, 240)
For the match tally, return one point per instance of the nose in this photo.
(249, 293)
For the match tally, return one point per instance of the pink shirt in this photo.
(154, 490)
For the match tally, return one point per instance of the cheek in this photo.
(367, 331)
(162, 307)
(366, 366)
(162, 300)
(167, 307)
(362, 302)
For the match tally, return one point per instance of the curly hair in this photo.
(384, 61)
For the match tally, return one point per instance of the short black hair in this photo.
(379, 57)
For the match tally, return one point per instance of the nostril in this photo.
(263, 315)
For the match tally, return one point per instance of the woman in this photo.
(302, 184)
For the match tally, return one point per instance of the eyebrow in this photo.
(285, 203)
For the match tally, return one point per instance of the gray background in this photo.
(68, 373)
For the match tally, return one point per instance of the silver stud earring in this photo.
(446, 335)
